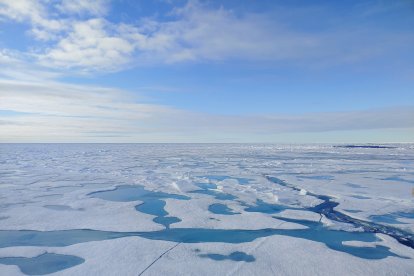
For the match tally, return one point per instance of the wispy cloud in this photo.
(82, 7)
(52, 111)
(83, 38)
(18, 66)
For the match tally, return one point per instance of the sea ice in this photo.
(206, 209)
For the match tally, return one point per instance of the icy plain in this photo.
(206, 209)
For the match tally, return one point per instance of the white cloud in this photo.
(21, 10)
(18, 66)
(33, 11)
(56, 111)
(197, 33)
(80, 7)
(45, 16)
(94, 44)
(201, 33)
(58, 99)
(83, 39)
(53, 111)
(218, 34)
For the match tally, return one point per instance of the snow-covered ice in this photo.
(206, 209)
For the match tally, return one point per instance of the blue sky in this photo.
(206, 71)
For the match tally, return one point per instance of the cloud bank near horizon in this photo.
(52, 111)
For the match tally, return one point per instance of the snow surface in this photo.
(48, 187)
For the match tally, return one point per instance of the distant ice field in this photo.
(206, 209)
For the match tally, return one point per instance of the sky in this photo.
(207, 71)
